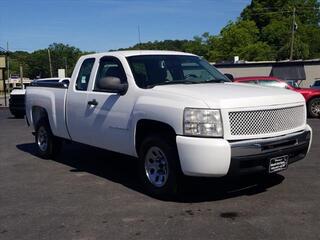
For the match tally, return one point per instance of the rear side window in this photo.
(84, 74)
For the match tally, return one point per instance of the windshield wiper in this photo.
(172, 82)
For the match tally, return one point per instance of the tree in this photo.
(274, 19)
(62, 56)
(19, 58)
(239, 39)
(200, 45)
(36, 64)
(259, 51)
(262, 32)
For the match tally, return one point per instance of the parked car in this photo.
(292, 83)
(173, 111)
(17, 95)
(316, 84)
(16, 102)
(311, 95)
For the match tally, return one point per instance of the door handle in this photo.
(93, 102)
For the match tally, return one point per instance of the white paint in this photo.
(208, 157)
(111, 125)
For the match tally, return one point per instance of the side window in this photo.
(84, 74)
(251, 82)
(110, 67)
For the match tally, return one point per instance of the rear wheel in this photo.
(47, 144)
(18, 115)
(159, 167)
(314, 107)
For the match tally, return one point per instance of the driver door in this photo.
(108, 114)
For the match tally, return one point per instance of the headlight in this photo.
(202, 122)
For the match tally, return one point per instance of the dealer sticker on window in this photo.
(278, 164)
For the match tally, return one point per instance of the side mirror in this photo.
(66, 82)
(229, 76)
(112, 84)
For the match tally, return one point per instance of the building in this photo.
(15, 82)
(303, 71)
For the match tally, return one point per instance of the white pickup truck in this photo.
(173, 111)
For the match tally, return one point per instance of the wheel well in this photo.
(145, 127)
(317, 96)
(38, 113)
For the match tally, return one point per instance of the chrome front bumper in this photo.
(216, 157)
(254, 155)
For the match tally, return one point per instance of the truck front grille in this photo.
(266, 121)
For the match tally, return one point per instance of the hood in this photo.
(233, 95)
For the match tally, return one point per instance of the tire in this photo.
(314, 108)
(18, 115)
(159, 166)
(48, 146)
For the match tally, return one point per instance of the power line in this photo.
(2, 49)
(293, 31)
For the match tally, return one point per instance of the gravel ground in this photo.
(87, 193)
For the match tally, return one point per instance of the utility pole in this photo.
(66, 65)
(50, 64)
(8, 67)
(293, 32)
(21, 76)
(4, 81)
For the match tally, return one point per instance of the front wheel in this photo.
(314, 107)
(159, 166)
(48, 145)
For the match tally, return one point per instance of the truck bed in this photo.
(52, 97)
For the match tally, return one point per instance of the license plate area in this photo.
(278, 164)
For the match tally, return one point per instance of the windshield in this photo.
(153, 70)
(272, 83)
(293, 83)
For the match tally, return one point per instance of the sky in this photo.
(101, 25)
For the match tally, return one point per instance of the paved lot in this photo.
(92, 194)
(2, 100)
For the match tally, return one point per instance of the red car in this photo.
(311, 95)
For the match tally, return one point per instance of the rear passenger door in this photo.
(77, 107)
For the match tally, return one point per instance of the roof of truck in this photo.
(129, 53)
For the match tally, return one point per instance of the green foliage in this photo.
(259, 51)
(262, 32)
(173, 45)
(36, 64)
(274, 20)
(239, 39)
